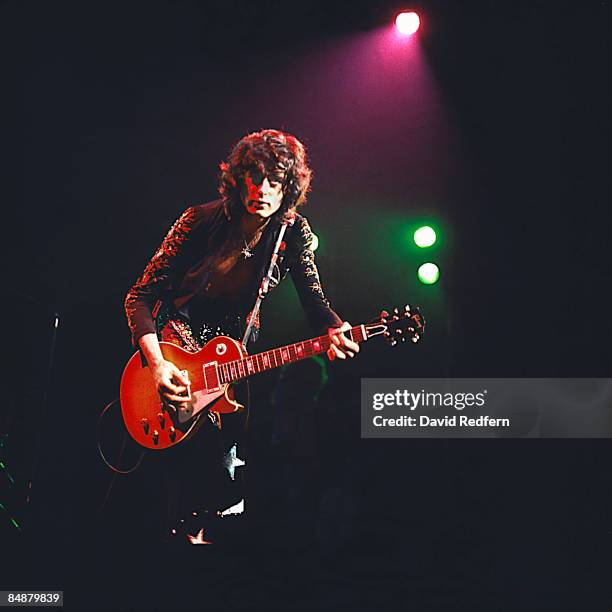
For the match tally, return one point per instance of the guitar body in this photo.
(157, 425)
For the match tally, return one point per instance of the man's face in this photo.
(263, 194)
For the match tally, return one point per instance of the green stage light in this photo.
(429, 273)
(425, 236)
(315, 242)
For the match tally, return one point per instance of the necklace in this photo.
(246, 251)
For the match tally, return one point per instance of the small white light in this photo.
(407, 23)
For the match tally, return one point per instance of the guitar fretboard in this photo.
(274, 358)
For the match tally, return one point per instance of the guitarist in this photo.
(203, 281)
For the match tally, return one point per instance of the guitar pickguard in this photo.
(199, 401)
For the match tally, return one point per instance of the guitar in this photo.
(158, 425)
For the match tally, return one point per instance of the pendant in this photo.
(246, 252)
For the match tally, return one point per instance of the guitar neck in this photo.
(274, 358)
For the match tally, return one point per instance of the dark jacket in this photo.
(181, 266)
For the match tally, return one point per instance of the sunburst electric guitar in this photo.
(155, 424)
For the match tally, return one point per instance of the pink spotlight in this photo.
(407, 23)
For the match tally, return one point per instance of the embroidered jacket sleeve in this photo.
(307, 282)
(157, 277)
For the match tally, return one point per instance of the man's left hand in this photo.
(341, 346)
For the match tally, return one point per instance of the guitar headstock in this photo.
(400, 325)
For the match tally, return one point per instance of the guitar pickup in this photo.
(211, 377)
(185, 373)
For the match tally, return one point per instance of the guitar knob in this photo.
(145, 425)
(172, 433)
(155, 436)
(162, 420)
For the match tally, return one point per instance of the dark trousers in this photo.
(197, 472)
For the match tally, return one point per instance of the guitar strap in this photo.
(265, 281)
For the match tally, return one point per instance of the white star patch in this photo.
(232, 461)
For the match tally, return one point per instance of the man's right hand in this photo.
(169, 380)
(171, 383)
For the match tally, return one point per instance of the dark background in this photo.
(492, 124)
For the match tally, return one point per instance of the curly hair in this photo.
(270, 152)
